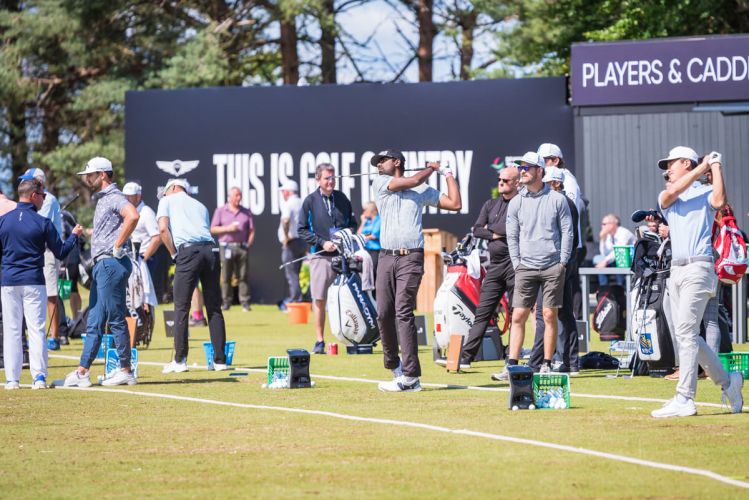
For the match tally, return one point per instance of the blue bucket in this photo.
(106, 342)
(228, 352)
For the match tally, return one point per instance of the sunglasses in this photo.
(525, 168)
(503, 180)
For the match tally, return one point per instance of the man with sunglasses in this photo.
(500, 275)
(324, 212)
(689, 208)
(400, 201)
(24, 236)
(539, 237)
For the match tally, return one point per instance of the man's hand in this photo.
(714, 158)
(434, 165)
(446, 171)
(118, 252)
(329, 246)
(77, 230)
(602, 264)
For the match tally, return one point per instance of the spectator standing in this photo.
(324, 212)
(500, 275)
(24, 235)
(401, 201)
(233, 225)
(185, 232)
(612, 234)
(689, 208)
(292, 246)
(114, 221)
(539, 237)
(51, 210)
(370, 230)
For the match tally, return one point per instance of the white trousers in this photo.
(690, 287)
(19, 302)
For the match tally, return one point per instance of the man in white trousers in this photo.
(24, 236)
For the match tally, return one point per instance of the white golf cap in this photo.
(175, 182)
(675, 154)
(97, 164)
(531, 158)
(131, 188)
(289, 185)
(35, 173)
(553, 174)
(548, 149)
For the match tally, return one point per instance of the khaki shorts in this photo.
(51, 273)
(527, 282)
(321, 276)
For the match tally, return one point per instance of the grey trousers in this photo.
(238, 262)
(295, 249)
(398, 280)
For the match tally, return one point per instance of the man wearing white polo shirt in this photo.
(689, 207)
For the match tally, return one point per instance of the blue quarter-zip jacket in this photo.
(24, 235)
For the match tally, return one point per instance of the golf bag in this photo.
(352, 311)
(458, 297)
(610, 315)
(137, 307)
(650, 265)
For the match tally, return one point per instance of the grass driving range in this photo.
(130, 442)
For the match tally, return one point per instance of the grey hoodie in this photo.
(539, 229)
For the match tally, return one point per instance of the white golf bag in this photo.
(352, 310)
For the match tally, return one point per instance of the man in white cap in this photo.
(539, 237)
(689, 207)
(567, 345)
(292, 246)
(51, 210)
(114, 221)
(146, 238)
(186, 233)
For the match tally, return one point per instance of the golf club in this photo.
(375, 173)
(300, 258)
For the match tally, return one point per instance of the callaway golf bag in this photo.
(352, 310)
(458, 297)
(650, 327)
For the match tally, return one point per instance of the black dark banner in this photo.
(255, 138)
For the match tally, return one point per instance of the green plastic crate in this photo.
(736, 362)
(547, 381)
(277, 364)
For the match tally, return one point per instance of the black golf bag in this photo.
(650, 265)
(610, 315)
(352, 311)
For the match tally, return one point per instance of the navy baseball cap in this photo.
(388, 153)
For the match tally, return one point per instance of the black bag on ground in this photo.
(609, 317)
(597, 360)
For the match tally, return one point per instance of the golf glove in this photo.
(118, 252)
(715, 157)
(445, 170)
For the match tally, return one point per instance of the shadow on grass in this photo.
(188, 381)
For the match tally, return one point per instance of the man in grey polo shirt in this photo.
(689, 207)
(539, 237)
(400, 201)
(114, 220)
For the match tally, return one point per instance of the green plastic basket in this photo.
(736, 362)
(277, 364)
(64, 288)
(546, 381)
(623, 256)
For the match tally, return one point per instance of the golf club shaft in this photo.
(300, 258)
(71, 201)
(375, 173)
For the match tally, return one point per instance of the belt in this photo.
(401, 251)
(103, 256)
(230, 244)
(195, 244)
(689, 260)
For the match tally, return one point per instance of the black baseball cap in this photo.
(388, 153)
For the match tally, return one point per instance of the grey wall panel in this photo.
(620, 152)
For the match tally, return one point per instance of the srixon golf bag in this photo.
(458, 297)
(650, 265)
(352, 311)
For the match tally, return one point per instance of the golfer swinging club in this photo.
(400, 201)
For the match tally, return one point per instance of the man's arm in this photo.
(565, 226)
(59, 249)
(479, 228)
(251, 237)
(304, 229)
(402, 183)
(452, 201)
(166, 236)
(152, 246)
(130, 218)
(513, 234)
(718, 198)
(669, 195)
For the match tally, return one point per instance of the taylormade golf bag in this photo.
(352, 310)
(650, 264)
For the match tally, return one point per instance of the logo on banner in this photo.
(177, 168)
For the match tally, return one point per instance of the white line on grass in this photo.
(465, 432)
(438, 386)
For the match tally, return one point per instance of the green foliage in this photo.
(200, 62)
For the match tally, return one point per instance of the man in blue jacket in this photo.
(24, 236)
